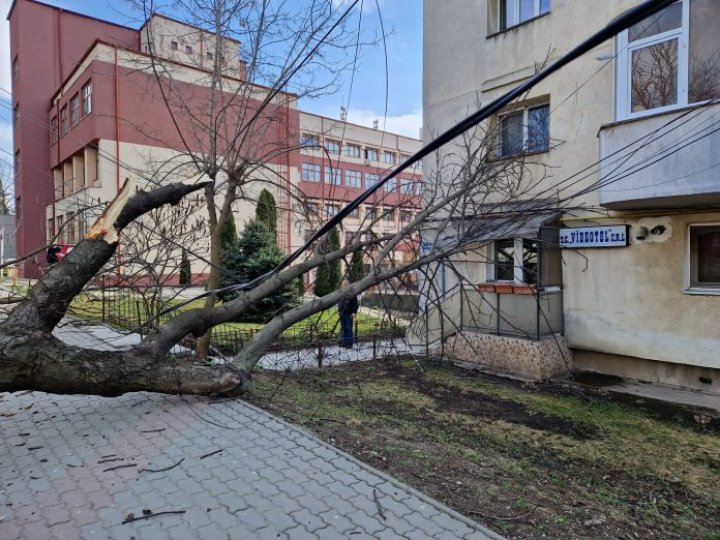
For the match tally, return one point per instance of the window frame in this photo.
(74, 110)
(355, 176)
(307, 138)
(333, 175)
(306, 167)
(372, 154)
(623, 68)
(388, 157)
(692, 285)
(86, 98)
(373, 181)
(500, 9)
(525, 111)
(332, 146)
(519, 270)
(353, 150)
(63, 120)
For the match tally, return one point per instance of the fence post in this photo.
(102, 297)
(137, 311)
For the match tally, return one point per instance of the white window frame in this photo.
(375, 178)
(525, 112)
(353, 150)
(306, 138)
(690, 286)
(86, 98)
(391, 185)
(516, 11)
(518, 270)
(623, 89)
(374, 152)
(353, 178)
(333, 175)
(332, 146)
(388, 157)
(315, 169)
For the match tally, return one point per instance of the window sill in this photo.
(702, 291)
(520, 155)
(516, 26)
(507, 288)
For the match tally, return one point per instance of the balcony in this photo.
(661, 161)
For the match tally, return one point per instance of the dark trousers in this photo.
(346, 329)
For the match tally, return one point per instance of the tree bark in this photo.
(39, 361)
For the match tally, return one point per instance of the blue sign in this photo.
(595, 237)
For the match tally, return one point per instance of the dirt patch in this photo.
(529, 461)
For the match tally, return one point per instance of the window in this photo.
(389, 215)
(705, 257)
(63, 121)
(389, 157)
(17, 163)
(390, 185)
(514, 259)
(188, 49)
(406, 186)
(505, 14)
(336, 175)
(352, 150)
(672, 59)
(527, 130)
(59, 228)
(74, 110)
(331, 209)
(310, 172)
(312, 208)
(173, 45)
(332, 147)
(355, 213)
(371, 154)
(419, 188)
(405, 216)
(372, 212)
(209, 55)
(353, 178)
(87, 99)
(308, 140)
(16, 116)
(404, 158)
(371, 179)
(53, 130)
(50, 229)
(15, 69)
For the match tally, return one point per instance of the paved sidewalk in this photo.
(78, 466)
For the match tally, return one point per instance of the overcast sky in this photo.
(402, 18)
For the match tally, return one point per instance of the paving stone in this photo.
(270, 480)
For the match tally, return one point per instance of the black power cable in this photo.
(623, 22)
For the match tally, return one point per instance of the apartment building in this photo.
(339, 160)
(90, 111)
(621, 274)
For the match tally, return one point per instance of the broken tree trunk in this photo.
(31, 358)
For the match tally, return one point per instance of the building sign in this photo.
(595, 237)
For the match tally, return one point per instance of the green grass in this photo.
(434, 425)
(89, 307)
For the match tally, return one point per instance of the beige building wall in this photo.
(628, 303)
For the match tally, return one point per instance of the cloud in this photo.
(404, 124)
(4, 46)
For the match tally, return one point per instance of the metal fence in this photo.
(131, 309)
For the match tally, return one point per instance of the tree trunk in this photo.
(39, 361)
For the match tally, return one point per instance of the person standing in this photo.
(347, 308)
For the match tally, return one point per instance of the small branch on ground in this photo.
(131, 517)
(164, 469)
(379, 508)
(124, 466)
(211, 453)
